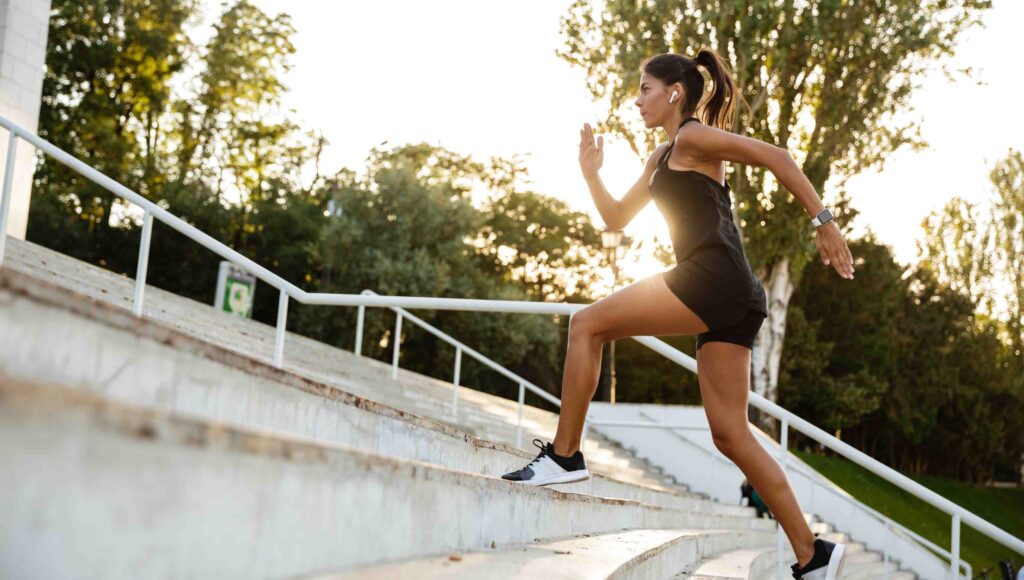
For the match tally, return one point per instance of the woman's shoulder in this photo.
(657, 154)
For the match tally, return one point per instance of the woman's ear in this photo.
(680, 93)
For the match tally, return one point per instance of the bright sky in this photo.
(481, 78)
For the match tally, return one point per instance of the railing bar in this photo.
(398, 344)
(143, 265)
(519, 424)
(455, 381)
(359, 330)
(5, 193)
(282, 324)
(954, 564)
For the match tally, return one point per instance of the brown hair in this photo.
(672, 68)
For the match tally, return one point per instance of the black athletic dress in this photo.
(712, 275)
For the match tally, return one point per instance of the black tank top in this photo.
(698, 210)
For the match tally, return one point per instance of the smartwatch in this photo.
(822, 218)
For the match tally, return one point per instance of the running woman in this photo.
(711, 291)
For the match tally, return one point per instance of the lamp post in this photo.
(611, 240)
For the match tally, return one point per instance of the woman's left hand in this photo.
(833, 249)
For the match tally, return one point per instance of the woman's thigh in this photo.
(645, 308)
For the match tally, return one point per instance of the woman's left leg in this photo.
(645, 308)
(723, 372)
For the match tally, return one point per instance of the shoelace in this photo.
(543, 451)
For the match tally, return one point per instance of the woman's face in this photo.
(652, 100)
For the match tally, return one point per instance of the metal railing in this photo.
(459, 349)
(289, 291)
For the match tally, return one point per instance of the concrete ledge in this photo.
(731, 565)
(639, 554)
(103, 489)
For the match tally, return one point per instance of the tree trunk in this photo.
(767, 348)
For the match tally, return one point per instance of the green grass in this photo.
(1002, 507)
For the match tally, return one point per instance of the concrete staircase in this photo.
(167, 446)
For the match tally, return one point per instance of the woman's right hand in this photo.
(591, 154)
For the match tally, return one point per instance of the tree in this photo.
(108, 76)
(825, 80)
(957, 246)
(836, 365)
(1008, 224)
(904, 367)
(409, 228)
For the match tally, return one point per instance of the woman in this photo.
(711, 291)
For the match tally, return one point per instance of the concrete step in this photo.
(860, 564)
(481, 414)
(758, 562)
(640, 554)
(105, 489)
(875, 570)
(53, 335)
(738, 564)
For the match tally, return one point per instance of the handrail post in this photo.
(359, 329)
(954, 563)
(143, 265)
(885, 552)
(783, 442)
(282, 323)
(455, 381)
(398, 343)
(5, 193)
(519, 425)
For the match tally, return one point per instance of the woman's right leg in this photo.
(723, 372)
(645, 308)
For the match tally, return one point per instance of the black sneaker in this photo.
(549, 468)
(826, 564)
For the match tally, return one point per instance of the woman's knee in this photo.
(584, 325)
(729, 440)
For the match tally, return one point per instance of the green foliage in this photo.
(221, 154)
(1008, 231)
(903, 367)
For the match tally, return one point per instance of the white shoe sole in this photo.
(567, 477)
(835, 565)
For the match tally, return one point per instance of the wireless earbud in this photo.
(673, 97)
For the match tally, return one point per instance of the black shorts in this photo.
(727, 320)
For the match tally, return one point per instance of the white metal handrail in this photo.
(460, 347)
(288, 290)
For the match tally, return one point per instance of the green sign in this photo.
(235, 290)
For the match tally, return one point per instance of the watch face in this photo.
(824, 216)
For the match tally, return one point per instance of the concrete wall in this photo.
(691, 456)
(23, 29)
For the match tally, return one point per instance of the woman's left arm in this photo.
(714, 143)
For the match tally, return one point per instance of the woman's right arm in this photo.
(615, 213)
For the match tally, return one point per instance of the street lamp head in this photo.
(611, 238)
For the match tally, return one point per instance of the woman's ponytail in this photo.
(673, 68)
(718, 109)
